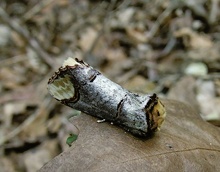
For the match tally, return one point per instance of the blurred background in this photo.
(168, 47)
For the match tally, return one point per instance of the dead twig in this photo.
(34, 44)
(214, 11)
(47, 105)
(13, 60)
(165, 14)
(36, 9)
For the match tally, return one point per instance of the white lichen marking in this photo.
(62, 88)
(100, 120)
(70, 62)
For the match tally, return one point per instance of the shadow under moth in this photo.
(77, 85)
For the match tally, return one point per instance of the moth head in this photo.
(156, 112)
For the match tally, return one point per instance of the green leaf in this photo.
(72, 138)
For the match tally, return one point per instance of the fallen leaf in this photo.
(194, 40)
(185, 143)
(125, 15)
(87, 38)
(122, 18)
(200, 46)
(37, 127)
(7, 165)
(136, 35)
(138, 83)
(10, 109)
(54, 124)
(185, 92)
(209, 103)
(33, 160)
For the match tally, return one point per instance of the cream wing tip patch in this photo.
(70, 62)
(62, 88)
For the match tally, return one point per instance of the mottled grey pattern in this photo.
(102, 98)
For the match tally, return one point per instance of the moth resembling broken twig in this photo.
(79, 86)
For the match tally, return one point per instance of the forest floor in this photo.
(167, 47)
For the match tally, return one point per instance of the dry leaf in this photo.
(200, 46)
(37, 128)
(194, 40)
(33, 160)
(136, 35)
(209, 104)
(6, 165)
(138, 83)
(185, 143)
(10, 109)
(122, 18)
(185, 92)
(87, 38)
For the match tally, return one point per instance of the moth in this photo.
(78, 85)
